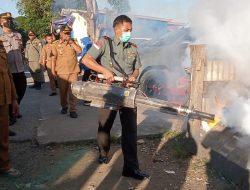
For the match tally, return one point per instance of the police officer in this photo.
(125, 54)
(47, 62)
(32, 54)
(65, 67)
(7, 96)
(12, 42)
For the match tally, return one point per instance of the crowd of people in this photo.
(59, 59)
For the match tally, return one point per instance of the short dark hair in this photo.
(121, 19)
(49, 35)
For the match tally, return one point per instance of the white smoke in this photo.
(224, 27)
(238, 114)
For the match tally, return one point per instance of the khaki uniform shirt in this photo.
(46, 55)
(65, 58)
(7, 88)
(13, 45)
(124, 53)
(33, 50)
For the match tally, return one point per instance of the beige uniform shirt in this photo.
(13, 45)
(46, 56)
(7, 88)
(33, 50)
(65, 58)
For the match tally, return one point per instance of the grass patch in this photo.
(115, 139)
(182, 147)
(170, 134)
(164, 135)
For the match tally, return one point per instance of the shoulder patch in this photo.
(97, 45)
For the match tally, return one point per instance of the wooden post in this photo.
(92, 11)
(198, 60)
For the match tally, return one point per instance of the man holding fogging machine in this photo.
(117, 57)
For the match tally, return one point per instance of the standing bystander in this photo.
(32, 54)
(46, 61)
(12, 42)
(8, 97)
(65, 67)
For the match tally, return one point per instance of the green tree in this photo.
(19, 25)
(120, 6)
(37, 15)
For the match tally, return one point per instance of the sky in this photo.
(171, 9)
(8, 6)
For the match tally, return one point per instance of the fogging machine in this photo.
(114, 97)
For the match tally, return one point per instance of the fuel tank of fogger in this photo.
(103, 95)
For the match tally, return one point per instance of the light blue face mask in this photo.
(126, 36)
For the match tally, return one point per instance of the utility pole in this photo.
(92, 12)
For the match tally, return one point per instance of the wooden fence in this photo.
(206, 76)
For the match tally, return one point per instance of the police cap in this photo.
(6, 16)
(31, 33)
(65, 29)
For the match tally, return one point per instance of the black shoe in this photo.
(11, 133)
(103, 160)
(53, 94)
(73, 114)
(12, 121)
(86, 103)
(19, 116)
(137, 174)
(39, 86)
(64, 111)
(33, 86)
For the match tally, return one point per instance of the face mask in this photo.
(126, 36)
(9, 24)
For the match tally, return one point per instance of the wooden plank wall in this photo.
(217, 74)
(218, 71)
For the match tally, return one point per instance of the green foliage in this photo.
(37, 15)
(20, 24)
(120, 6)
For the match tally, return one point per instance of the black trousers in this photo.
(86, 75)
(128, 117)
(20, 83)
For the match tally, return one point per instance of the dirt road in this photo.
(167, 159)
